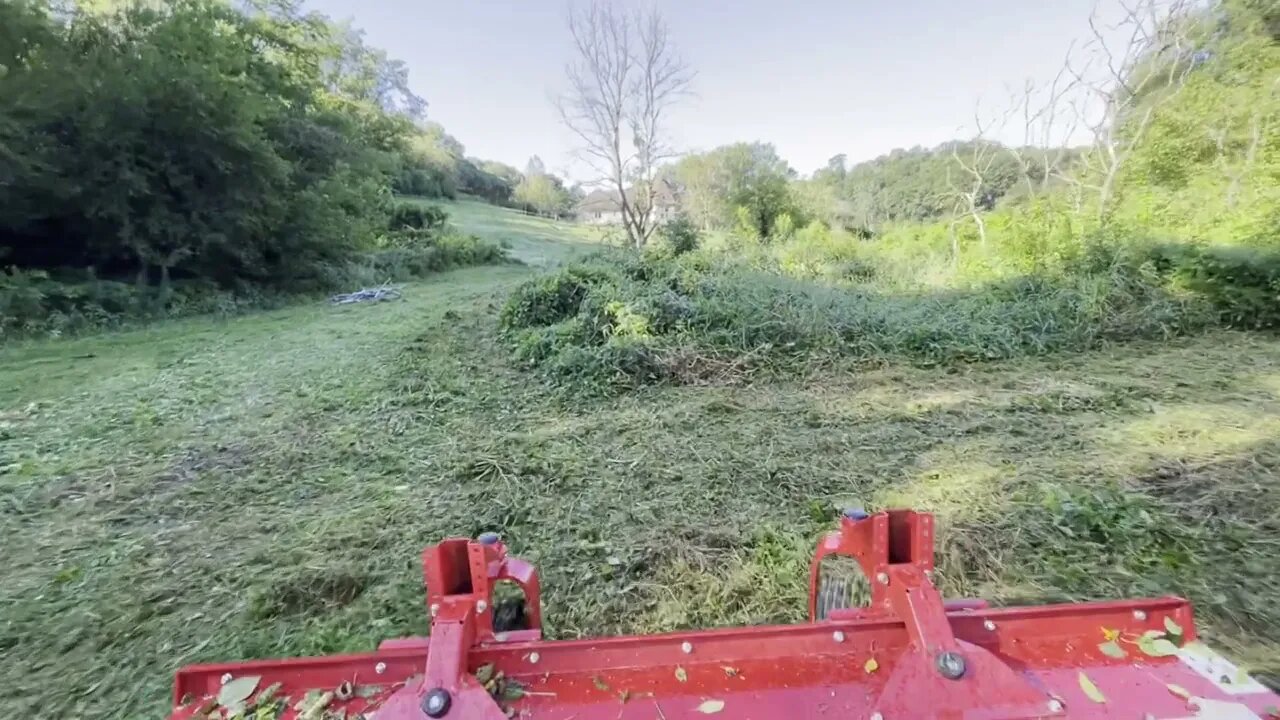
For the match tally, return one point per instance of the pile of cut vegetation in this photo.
(621, 321)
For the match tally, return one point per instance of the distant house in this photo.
(601, 207)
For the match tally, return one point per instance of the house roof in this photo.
(607, 200)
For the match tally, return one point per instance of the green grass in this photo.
(530, 239)
(260, 486)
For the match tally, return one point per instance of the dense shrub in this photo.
(262, 170)
(657, 313)
(679, 235)
(408, 215)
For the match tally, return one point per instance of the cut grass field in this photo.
(261, 486)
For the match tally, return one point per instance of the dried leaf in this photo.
(600, 684)
(268, 694)
(369, 691)
(1112, 649)
(624, 696)
(870, 665)
(484, 673)
(236, 691)
(711, 707)
(1173, 627)
(311, 698)
(1109, 634)
(315, 709)
(681, 675)
(1180, 691)
(511, 691)
(1091, 690)
(730, 671)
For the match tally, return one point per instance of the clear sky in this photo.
(814, 77)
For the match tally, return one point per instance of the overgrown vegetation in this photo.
(416, 241)
(1167, 225)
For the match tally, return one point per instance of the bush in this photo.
(407, 215)
(553, 298)
(679, 235)
(576, 322)
(33, 303)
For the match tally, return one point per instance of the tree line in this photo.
(246, 144)
(1170, 132)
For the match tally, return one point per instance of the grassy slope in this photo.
(219, 489)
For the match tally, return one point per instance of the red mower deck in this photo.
(906, 655)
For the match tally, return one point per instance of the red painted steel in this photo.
(1017, 662)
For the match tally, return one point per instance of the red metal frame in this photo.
(931, 659)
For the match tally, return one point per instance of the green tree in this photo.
(543, 193)
(750, 176)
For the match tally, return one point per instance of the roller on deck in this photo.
(907, 654)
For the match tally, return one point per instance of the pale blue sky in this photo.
(814, 77)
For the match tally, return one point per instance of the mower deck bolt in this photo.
(951, 665)
(481, 606)
(990, 626)
(838, 636)
(882, 578)
(686, 647)
(380, 668)
(489, 538)
(1139, 615)
(226, 678)
(1055, 706)
(436, 703)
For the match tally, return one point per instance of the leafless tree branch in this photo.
(624, 77)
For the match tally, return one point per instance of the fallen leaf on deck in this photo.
(1091, 690)
(236, 691)
(484, 673)
(870, 665)
(711, 707)
(681, 675)
(314, 710)
(368, 691)
(1109, 634)
(1180, 691)
(1159, 647)
(1112, 649)
(730, 671)
(1173, 627)
(268, 694)
(511, 691)
(600, 684)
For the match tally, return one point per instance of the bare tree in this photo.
(1237, 173)
(1126, 82)
(624, 78)
(974, 160)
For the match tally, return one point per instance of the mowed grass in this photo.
(533, 240)
(261, 486)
